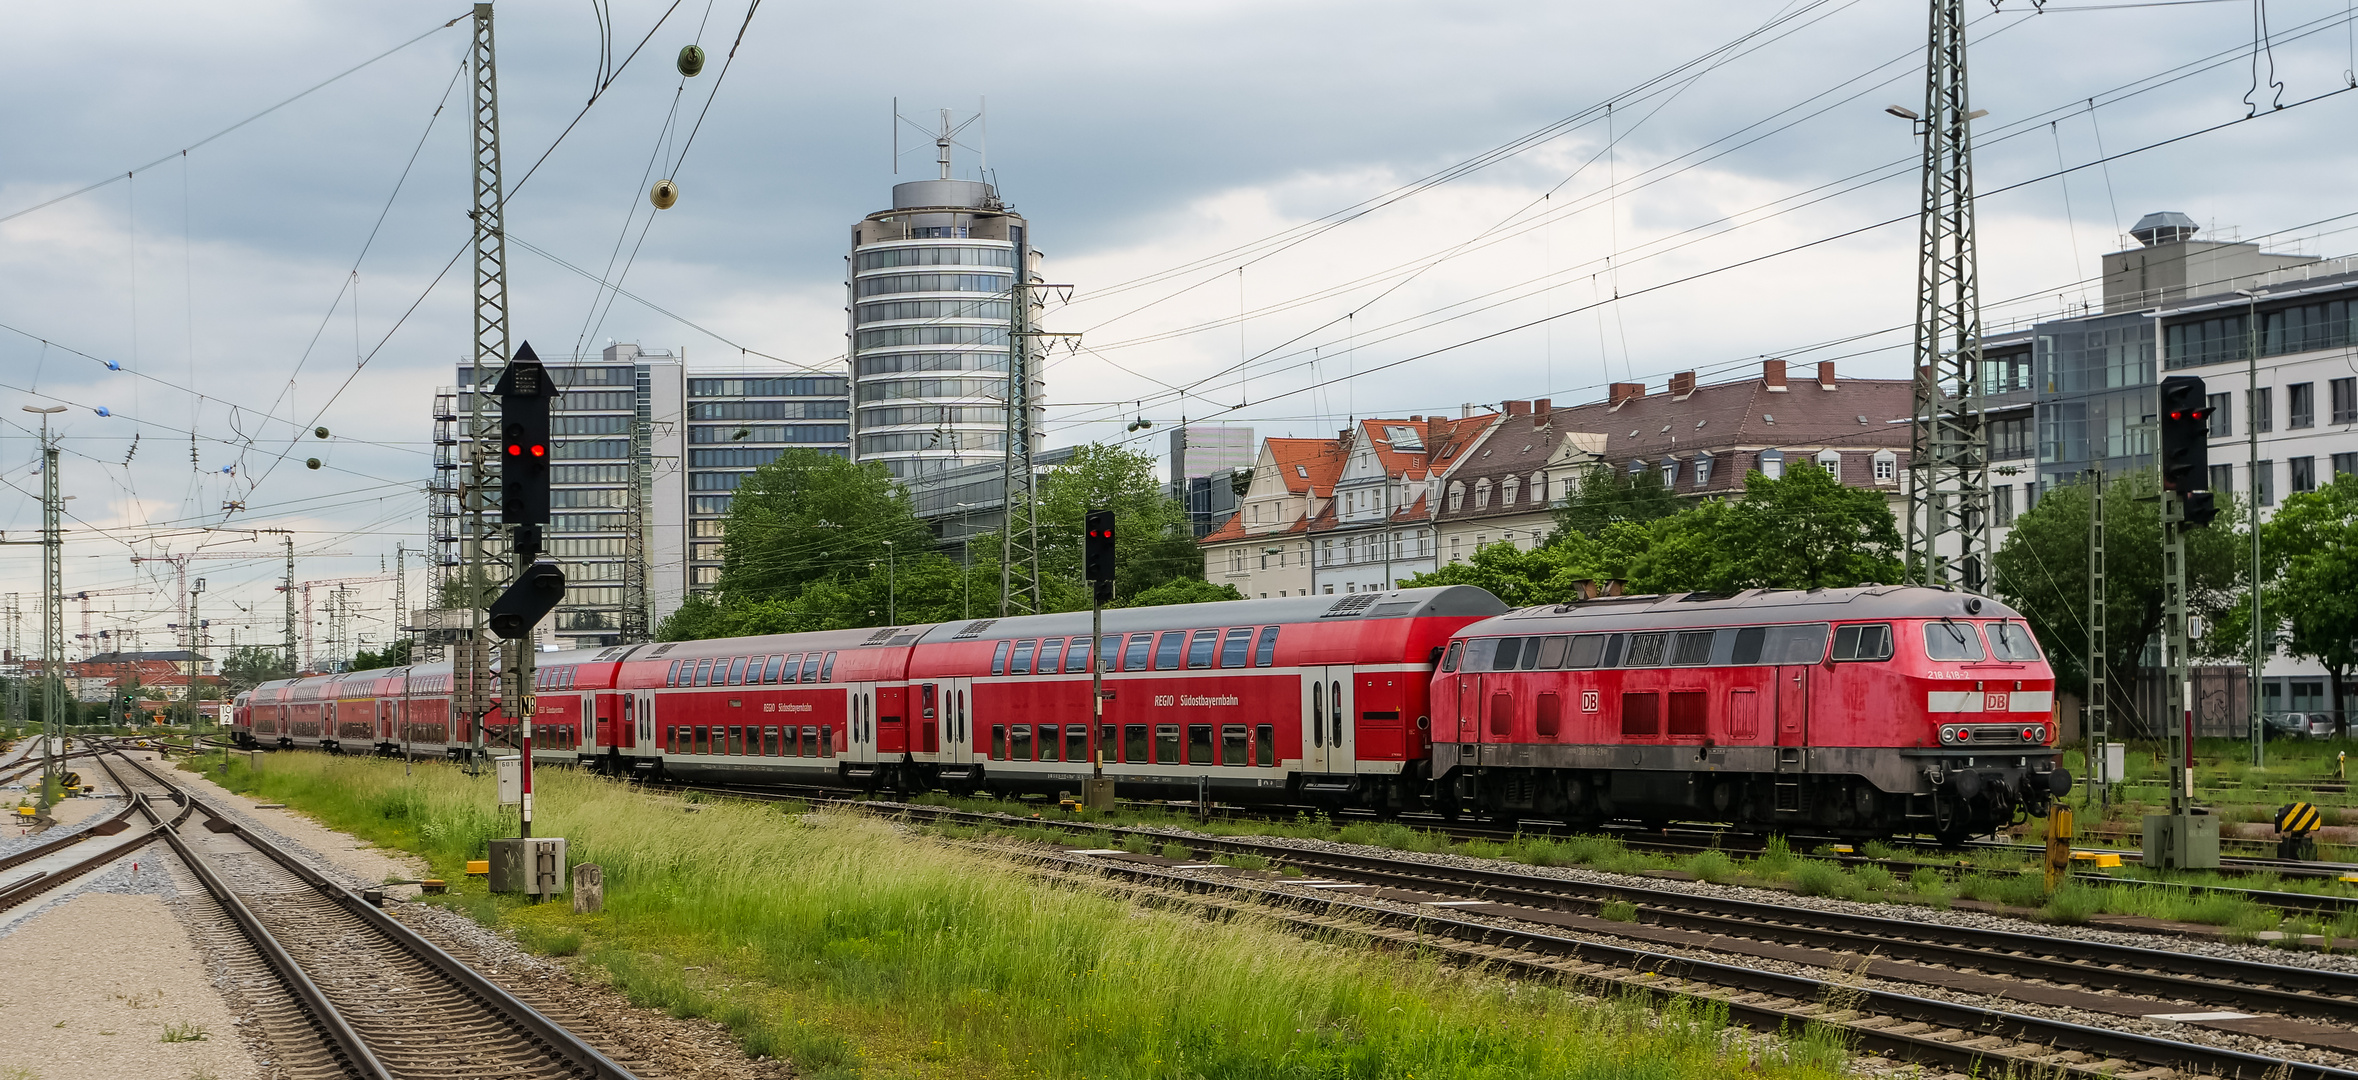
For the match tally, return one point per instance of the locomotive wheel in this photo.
(1949, 822)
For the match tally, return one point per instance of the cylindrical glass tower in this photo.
(933, 328)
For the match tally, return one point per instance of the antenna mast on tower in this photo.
(1948, 463)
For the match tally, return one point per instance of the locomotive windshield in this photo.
(1946, 640)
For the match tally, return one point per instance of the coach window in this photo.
(999, 658)
(1200, 648)
(769, 674)
(998, 742)
(1265, 650)
(1647, 650)
(1510, 653)
(1076, 742)
(1641, 716)
(792, 668)
(1691, 648)
(1233, 745)
(812, 672)
(703, 740)
(1548, 718)
(1237, 648)
(769, 742)
(1199, 744)
(1551, 652)
(1076, 656)
(1019, 743)
(1265, 746)
(1450, 658)
(1166, 653)
(1137, 654)
(826, 737)
(1133, 743)
(677, 741)
(1049, 740)
(1051, 654)
(1166, 744)
(737, 672)
(1022, 664)
(1863, 641)
(1949, 640)
(737, 742)
(2012, 641)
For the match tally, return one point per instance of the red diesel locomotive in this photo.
(1861, 711)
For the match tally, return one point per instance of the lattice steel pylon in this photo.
(490, 353)
(1948, 462)
(1019, 533)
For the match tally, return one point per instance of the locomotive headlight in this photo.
(1964, 734)
(2034, 734)
(1948, 734)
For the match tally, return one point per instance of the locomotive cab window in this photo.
(1949, 640)
(1449, 659)
(1864, 641)
(2012, 641)
(1480, 652)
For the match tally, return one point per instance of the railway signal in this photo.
(1097, 554)
(1097, 564)
(524, 391)
(2186, 446)
(527, 600)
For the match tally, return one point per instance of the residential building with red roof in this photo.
(1264, 549)
(1378, 529)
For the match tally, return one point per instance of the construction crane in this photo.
(180, 569)
(86, 595)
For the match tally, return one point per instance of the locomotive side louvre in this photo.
(1857, 710)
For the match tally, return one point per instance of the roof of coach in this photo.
(1448, 600)
(803, 642)
(1669, 610)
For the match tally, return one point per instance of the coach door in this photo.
(859, 741)
(644, 701)
(952, 709)
(1326, 720)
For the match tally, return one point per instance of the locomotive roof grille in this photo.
(1670, 610)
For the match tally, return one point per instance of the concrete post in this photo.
(589, 889)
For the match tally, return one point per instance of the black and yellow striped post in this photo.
(2296, 826)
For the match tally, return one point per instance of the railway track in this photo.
(2303, 1007)
(340, 988)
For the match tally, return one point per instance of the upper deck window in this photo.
(1864, 641)
(2012, 641)
(1236, 649)
(1202, 647)
(1950, 640)
(1265, 649)
(1167, 653)
(1134, 657)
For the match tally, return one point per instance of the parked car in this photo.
(2299, 725)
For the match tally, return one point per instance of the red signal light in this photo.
(539, 450)
(515, 451)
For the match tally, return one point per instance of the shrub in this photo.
(1618, 911)
(1814, 878)
(1178, 852)
(2072, 904)
(180, 1031)
(1713, 866)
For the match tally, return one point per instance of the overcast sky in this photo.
(1182, 165)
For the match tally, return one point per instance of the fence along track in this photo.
(394, 1005)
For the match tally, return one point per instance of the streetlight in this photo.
(2251, 408)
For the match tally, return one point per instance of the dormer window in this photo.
(1457, 497)
(1772, 464)
(1831, 461)
(1702, 471)
(1508, 490)
(1669, 472)
(1482, 495)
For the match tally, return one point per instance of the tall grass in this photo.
(852, 947)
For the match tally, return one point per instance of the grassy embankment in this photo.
(2002, 877)
(852, 948)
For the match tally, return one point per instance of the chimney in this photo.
(1343, 435)
(1825, 374)
(1517, 408)
(1772, 373)
(1626, 391)
(1682, 384)
(1543, 406)
(1416, 419)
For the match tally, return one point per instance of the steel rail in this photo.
(584, 1058)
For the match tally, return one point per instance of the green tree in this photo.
(251, 666)
(1153, 543)
(1608, 495)
(2042, 572)
(393, 655)
(1807, 531)
(809, 517)
(1184, 591)
(2310, 549)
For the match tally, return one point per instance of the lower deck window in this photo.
(1199, 744)
(1265, 746)
(1019, 743)
(1048, 742)
(998, 742)
(1134, 743)
(1166, 744)
(703, 740)
(1076, 743)
(1233, 746)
